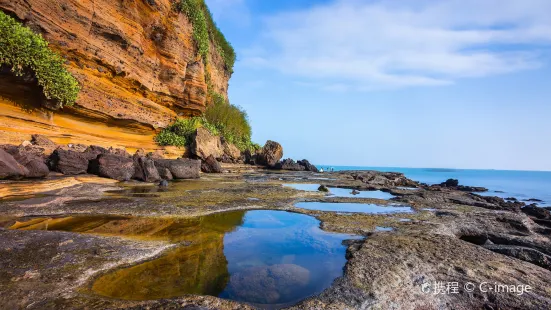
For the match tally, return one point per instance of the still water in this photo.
(341, 192)
(268, 258)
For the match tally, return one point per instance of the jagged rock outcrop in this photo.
(136, 62)
(31, 158)
(145, 169)
(288, 164)
(307, 165)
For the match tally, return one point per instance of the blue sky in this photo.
(451, 83)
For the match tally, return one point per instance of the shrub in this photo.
(231, 121)
(21, 49)
(205, 31)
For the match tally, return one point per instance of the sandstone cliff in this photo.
(135, 60)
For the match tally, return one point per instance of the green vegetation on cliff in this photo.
(205, 31)
(220, 118)
(21, 50)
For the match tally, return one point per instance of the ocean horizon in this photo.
(520, 184)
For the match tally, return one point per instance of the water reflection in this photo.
(342, 192)
(353, 207)
(268, 258)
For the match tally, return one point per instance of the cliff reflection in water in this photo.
(261, 257)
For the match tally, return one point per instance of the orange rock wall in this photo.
(135, 61)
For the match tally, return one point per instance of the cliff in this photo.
(136, 62)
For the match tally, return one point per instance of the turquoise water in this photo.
(353, 207)
(519, 184)
(341, 192)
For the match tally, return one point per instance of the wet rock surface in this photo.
(454, 236)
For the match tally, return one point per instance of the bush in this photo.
(205, 31)
(231, 121)
(21, 49)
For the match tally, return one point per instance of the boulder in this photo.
(250, 157)
(10, 168)
(206, 144)
(93, 151)
(323, 188)
(289, 164)
(145, 169)
(182, 168)
(271, 154)
(113, 167)
(308, 166)
(31, 157)
(211, 165)
(231, 152)
(68, 162)
(119, 152)
(165, 174)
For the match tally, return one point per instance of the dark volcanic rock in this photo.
(68, 162)
(165, 174)
(383, 179)
(211, 165)
(10, 168)
(182, 168)
(270, 154)
(497, 203)
(537, 212)
(523, 253)
(31, 157)
(93, 151)
(308, 166)
(323, 188)
(533, 200)
(450, 183)
(288, 164)
(454, 184)
(145, 169)
(113, 166)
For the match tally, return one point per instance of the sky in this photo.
(419, 83)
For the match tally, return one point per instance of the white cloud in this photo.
(353, 44)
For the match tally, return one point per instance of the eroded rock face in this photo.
(136, 62)
(211, 165)
(307, 165)
(179, 168)
(113, 167)
(68, 162)
(10, 168)
(270, 154)
(289, 164)
(206, 144)
(231, 153)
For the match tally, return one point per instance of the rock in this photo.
(145, 169)
(308, 166)
(450, 183)
(25, 143)
(288, 164)
(42, 141)
(250, 157)
(268, 284)
(231, 152)
(163, 183)
(323, 188)
(383, 179)
(10, 168)
(75, 147)
(533, 200)
(165, 174)
(211, 165)
(206, 144)
(355, 192)
(112, 166)
(537, 212)
(68, 162)
(523, 253)
(31, 157)
(271, 154)
(119, 152)
(180, 168)
(93, 151)
(511, 199)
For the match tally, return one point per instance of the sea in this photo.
(522, 185)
